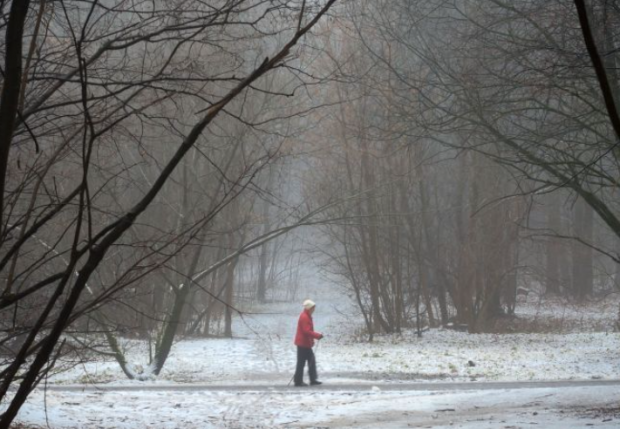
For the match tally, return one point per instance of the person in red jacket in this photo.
(304, 340)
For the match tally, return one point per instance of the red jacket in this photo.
(305, 331)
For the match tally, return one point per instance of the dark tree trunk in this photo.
(10, 89)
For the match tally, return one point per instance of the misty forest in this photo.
(441, 178)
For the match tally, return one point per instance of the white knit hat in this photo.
(308, 304)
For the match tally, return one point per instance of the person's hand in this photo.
(320, 336)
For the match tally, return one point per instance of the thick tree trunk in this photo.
(582, 258)
(463, 289)
(553, 249)
(169, 330)
(10, 89)
(261, 292)
(372, 260)
(229, 295)
(428, 249)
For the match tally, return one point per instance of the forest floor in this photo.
(549, 340)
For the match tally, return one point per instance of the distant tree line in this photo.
(481, 138)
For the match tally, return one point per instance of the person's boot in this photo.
(302, 384)
(315, 383)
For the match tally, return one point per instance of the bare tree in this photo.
(107, 79)
(511, 82)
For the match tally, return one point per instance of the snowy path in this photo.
(558, 407)
(338, 387)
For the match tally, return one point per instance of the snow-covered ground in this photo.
(438, 355)
(566, 408)
(583, 347)
(263, 351)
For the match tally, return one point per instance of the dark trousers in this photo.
(303, 355)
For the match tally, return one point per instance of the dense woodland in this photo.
(166, 163)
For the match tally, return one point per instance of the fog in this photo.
(167, 166)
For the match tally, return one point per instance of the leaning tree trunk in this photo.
(169, 330)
